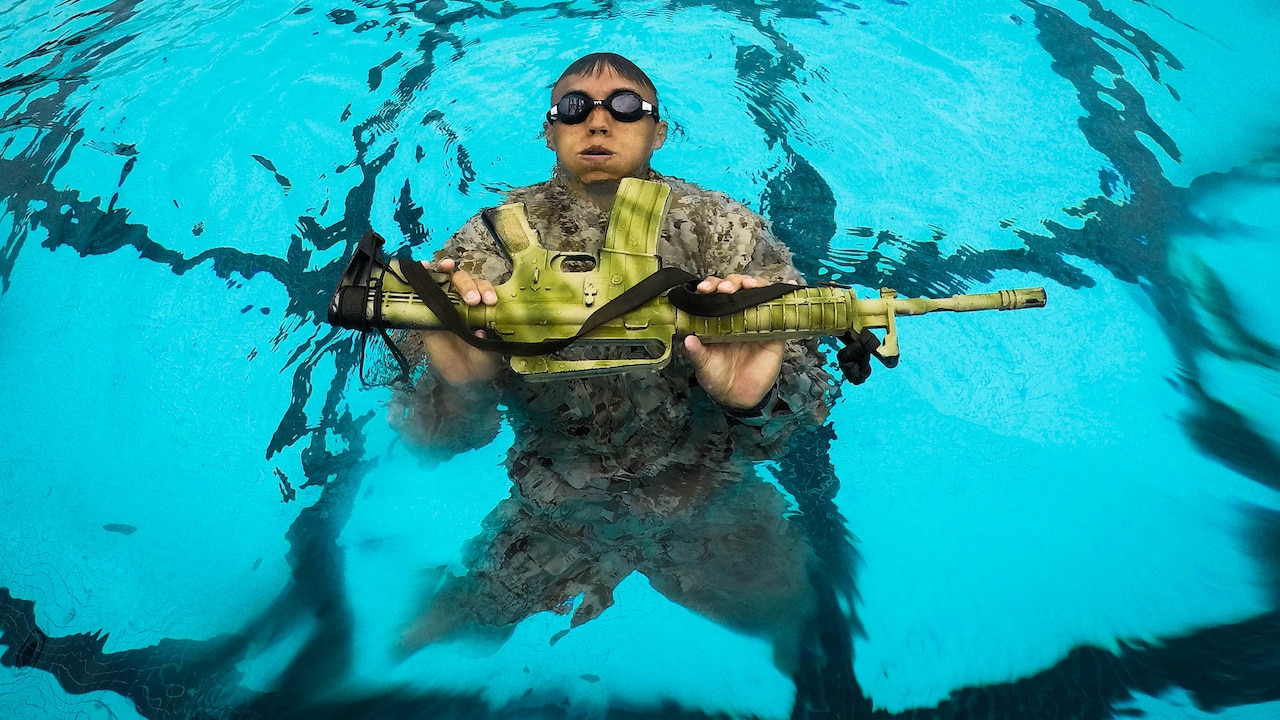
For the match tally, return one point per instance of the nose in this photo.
(598, 120)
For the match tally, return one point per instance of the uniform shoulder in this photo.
(527, 193)
(691, 195)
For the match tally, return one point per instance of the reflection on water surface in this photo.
(1071, 514)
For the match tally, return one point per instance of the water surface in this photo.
(1067, 513)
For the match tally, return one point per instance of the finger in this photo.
(482, 287)
(731, 283)
(753, 281)
(735, 282)
(695, 351)
(466, 287)
(709, 285)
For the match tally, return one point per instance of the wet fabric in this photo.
(717, 542)
(592, 432)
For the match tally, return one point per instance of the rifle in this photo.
(625, 310)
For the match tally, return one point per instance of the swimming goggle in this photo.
(623, 105)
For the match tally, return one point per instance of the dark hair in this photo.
(596, 63)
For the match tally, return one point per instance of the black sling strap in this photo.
(677, 281)
(685, 299)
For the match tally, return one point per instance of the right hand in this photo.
(735, 374)
(447, 354)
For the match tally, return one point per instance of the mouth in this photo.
(597, 152)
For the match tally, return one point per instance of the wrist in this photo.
(760, 411)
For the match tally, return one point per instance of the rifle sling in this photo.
(686, 299)
(682, 295)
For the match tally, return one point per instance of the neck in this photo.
(600, 193)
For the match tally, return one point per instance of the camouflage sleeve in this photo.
(803, 397)
(477, 252)
(805, 390)
(438, 419)
(737, 240)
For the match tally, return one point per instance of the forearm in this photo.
(456, 362)
(476, 252)
(801, 398)
(444, 419)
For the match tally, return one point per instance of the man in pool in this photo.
(650, 438)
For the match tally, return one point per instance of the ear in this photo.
(659, 134)
(546, 133)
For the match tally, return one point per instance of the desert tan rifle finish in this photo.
(807, 312)
(540, 301)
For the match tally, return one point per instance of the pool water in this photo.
(1071, 512)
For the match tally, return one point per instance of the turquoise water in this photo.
(1066, 513)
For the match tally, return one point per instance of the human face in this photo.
(602, 148)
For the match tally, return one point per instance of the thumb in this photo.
(695, 351)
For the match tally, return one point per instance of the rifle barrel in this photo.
(1001, 300)
(820, 311)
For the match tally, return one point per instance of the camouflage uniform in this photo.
(636, 471)
(622, 428)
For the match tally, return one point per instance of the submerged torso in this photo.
(628, 427)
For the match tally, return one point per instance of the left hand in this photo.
(735, 374)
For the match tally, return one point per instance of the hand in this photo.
(735, 374)
(451, 357)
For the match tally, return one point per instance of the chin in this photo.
(596, 175)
